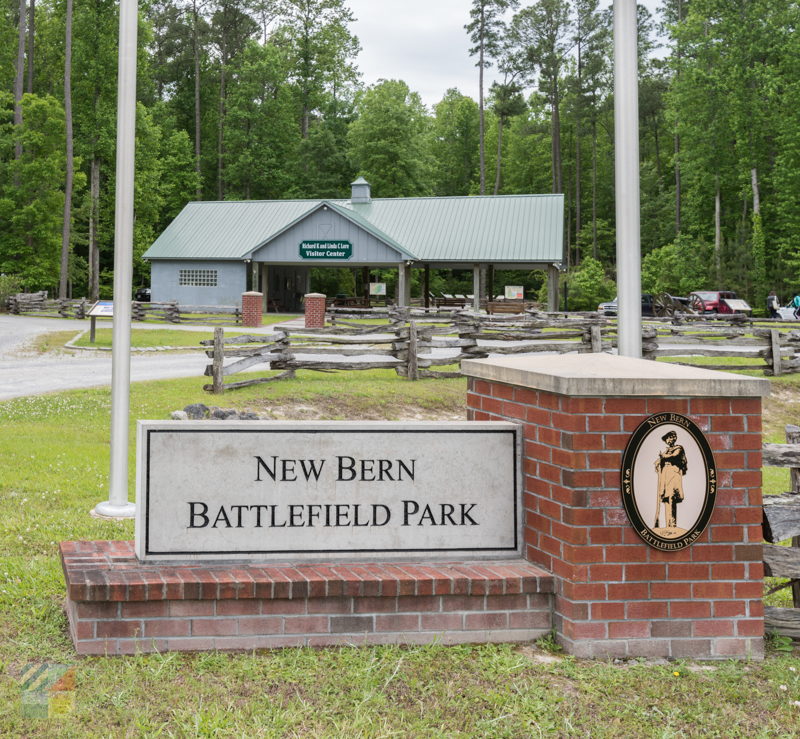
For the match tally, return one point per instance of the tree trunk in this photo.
(578, 112)
(677, 185)
(20, 74)
(717, 232)
(221, 134)
(558, 185)
(594, 188)
(481, 112)
(498, 165)
(196, 52)
(756, 196)
(70, 163)
(94, 212)
(31, 27)
(656, 141)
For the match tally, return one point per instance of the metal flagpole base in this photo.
(112, 511)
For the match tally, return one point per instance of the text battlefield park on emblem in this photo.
(669, 481)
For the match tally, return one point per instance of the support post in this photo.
(552, 288)
(476, 287)
(403, 284)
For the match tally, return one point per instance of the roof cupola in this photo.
(360, 191)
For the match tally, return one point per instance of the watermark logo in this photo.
(47, 690)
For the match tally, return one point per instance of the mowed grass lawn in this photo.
(55, 456)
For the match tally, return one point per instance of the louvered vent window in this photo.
(197, 277)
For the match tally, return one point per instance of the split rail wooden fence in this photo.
(407, 340)
(37, 304)
(404, 340)
(781, 522)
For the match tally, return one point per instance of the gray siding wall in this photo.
(231, 283)
(326, 225)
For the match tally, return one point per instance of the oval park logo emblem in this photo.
(669, 481)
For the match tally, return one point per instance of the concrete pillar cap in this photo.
(252, 292)
(314, 295)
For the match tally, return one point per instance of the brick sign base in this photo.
(117, 605)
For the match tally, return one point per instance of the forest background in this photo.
(262, 99)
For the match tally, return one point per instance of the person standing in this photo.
(796, 305)
(772, 305)
(670, 467)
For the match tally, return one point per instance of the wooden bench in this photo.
(508, 306)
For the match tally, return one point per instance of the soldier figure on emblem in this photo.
(670, 467)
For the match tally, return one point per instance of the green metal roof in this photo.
(503, 228)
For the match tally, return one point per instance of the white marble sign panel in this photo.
(314, 491)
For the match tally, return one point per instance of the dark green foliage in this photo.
(281, 113)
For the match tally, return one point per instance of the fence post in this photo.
(597, 339)
(216, 364)
(413, 370)
(793, 437)
(775, 343)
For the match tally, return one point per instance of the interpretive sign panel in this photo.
(254, 490)
(102, 308)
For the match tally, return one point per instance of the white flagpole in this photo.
(626, 176)
(117, 505)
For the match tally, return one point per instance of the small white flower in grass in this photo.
(792, 669)
(796, 703)
(783, 687)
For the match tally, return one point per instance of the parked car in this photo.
(142, 295)
(610, 308)
(717, 301)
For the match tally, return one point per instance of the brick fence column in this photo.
(615, 595)
(315, 310)
(252, 309)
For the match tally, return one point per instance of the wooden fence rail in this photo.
(37, 304)
(782, 521)
(407, 341)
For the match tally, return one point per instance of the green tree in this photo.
(587, 285)
(389, 142)
(31, 211)
(454, 144)
(486, 30)
(507, 102)
(321, 49)
(541, 33)
(261, 136)
(676, 268)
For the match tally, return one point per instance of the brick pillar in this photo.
(615, 595)
(315, 310)
(252, 309)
